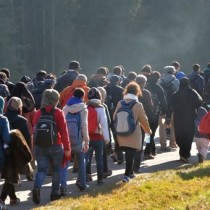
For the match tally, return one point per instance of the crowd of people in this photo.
(169, 99)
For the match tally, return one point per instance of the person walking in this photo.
(132, 142)
(45, 153)
(184, 104)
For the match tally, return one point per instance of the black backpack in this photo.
(45, 134)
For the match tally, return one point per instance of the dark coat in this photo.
(17, 156)
(185, 103)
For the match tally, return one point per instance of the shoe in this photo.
(200, 158)
(54, 197)
(89, 178)
(114, 158)
(154, 153)
(36, 195)
(2, 205)
(30, 177)
(165, 149)
(148, 157)
(14, 202)
(125, 179)
(132, 176)
(83, 189)
(173, 146)
(106, 174)
(63, 191)
(184, 160)
(119, 162)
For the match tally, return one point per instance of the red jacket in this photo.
(63, 135)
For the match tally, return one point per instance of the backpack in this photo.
(73, 121)
(65, 80)
(45, 134)
(168, 87)
(92, 119)
(203, 126)
(124, 122)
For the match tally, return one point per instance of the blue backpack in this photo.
(124, 122)
(73, 121)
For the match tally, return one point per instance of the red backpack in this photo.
(204, 125)
(92, 119)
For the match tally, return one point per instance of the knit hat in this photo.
(94, 93)
(1, 105)
(50, 97)
(169, 69)
(15, 104)
(113, 79)
(81, 77)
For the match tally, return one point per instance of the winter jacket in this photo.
(68, 91)
(197, 82)
(134, 140)
(63, 136)
(65, 80)
(17, 156)
(102, 132)
(82, 108)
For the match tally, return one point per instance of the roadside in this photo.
(163, 161)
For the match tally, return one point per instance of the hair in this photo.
(132, 88)
(155, 76)
(6, 71)
(146, 69)
(141, 80)
(117, 70)
(176, 64)
(51, 76)
(41, 75)
(103, 70)
(79, 93)
(196, 67)
(132, 75)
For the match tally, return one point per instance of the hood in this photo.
(166, 78)
(95, 102)
(74, 108)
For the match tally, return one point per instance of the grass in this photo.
(182, 189)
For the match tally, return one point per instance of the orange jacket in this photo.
(68, 91)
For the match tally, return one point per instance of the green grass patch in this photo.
(182, 189)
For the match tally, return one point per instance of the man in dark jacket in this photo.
(184, 104)
(114, 95)
(67, 78)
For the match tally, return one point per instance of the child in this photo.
(202, 141)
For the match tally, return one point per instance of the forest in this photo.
(48, 34)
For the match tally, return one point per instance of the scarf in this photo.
(74, 100)
(130, 96)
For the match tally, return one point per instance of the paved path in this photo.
(162, 161)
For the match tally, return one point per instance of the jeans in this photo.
(97, 146)
(43, 157)
(81, 179)
(64, 175)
